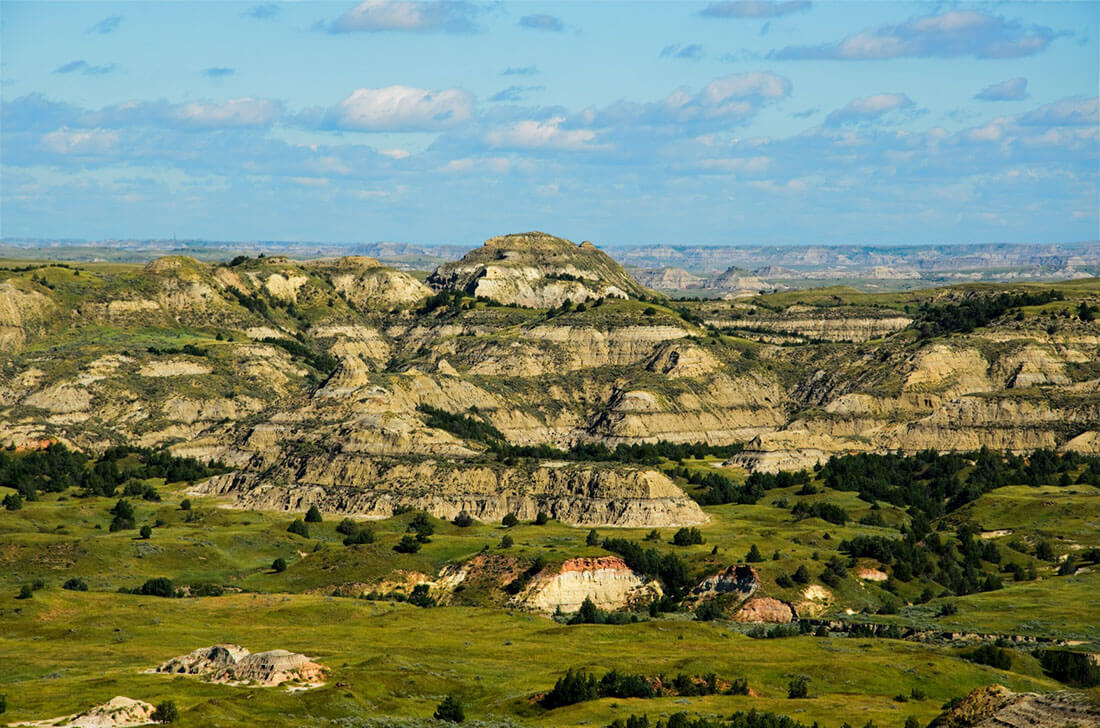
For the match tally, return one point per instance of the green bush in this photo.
(450, 710)
(798, 688)
(298, 527)
(509, 520)
(754, 556)
(13, 502)
(687, 537)
(165, 712)
(506, 542)
(313, 515)
(279, 565)
(146, 532)
(75, 584)
(407, 545)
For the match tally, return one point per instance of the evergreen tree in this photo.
(450, 709)
(593, 538)
(165, 712)
(313, 515)
(754, 556)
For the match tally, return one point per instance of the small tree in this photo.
(347, 527)
(407, 545)
(75, 584)
(593, 538)
(123, 514)
(509, 520)
(506, 542)
(13, 501)
(185, 504)
(146, 531)
(298, 527)
(279, 565)
(362, 536)
(158, 587)
(463, 520)
(25, 592)
(165, 712)
(798, 688)
(687, 537)
(801, 574)
(754, 556)
(450, 710)
(541, 519)
(589, 613)
(313, 515)
(912, 722)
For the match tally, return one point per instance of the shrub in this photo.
(165, 712)
(506, 542)
(75, 584)
(146, 532)
(185, 504)
(450, 710)
(463, 520)
(801, 575)
(279, 565)
(123, 516)
(364, 535)
(509, 520)
(347, 527)
(798, 688)
(420, 596)
(687, 537)
(299, 528)
(407, 545)
(708, 611)
(593, 538)
(13, 502)
(158, 587)
(784, 581)
(754, 556)
(25, 592)
(313, 515)
(542, 519)
(947, 609)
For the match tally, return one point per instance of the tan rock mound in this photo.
(995, 706)
(765, 609)
(274, 667)
(607, 581)
(117, 712)
(204, 660)
(234, 664)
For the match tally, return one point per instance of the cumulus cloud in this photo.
(753, 8)
(1014, 89)
(217, 72)
(107, 25)
(264, 11)
(85, 68)
(401, 108)
(691, 52)
(516, 93)
(542, 21)
(871, 108)
(520, 71)
(372, 16)
(242, 112)
(547, 134)
(952, 34)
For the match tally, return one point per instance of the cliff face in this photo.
(607, 581)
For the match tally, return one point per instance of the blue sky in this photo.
(738, 122)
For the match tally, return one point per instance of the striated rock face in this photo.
(765, 609)
(537, 270)
(995, 706)
(204, 661)
(581, 496)
(739, 581)
(607, 581)
(118, 712)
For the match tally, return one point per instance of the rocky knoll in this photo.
(537, 270)
(738, 582)
(995, 706)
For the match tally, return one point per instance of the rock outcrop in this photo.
(738, 582)
(765, 609)
(118, 712)
(234, 664)
(607, 581)
(995, 706)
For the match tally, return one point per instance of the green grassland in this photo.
(64, 651)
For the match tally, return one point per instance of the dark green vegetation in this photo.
(971, 312)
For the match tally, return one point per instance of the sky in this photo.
(736, 122)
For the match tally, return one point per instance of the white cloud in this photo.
(245, 111)
(394, 153)
(371, 16)
(868, 109)
(85, 141)
(402, 108)
(542, 135)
